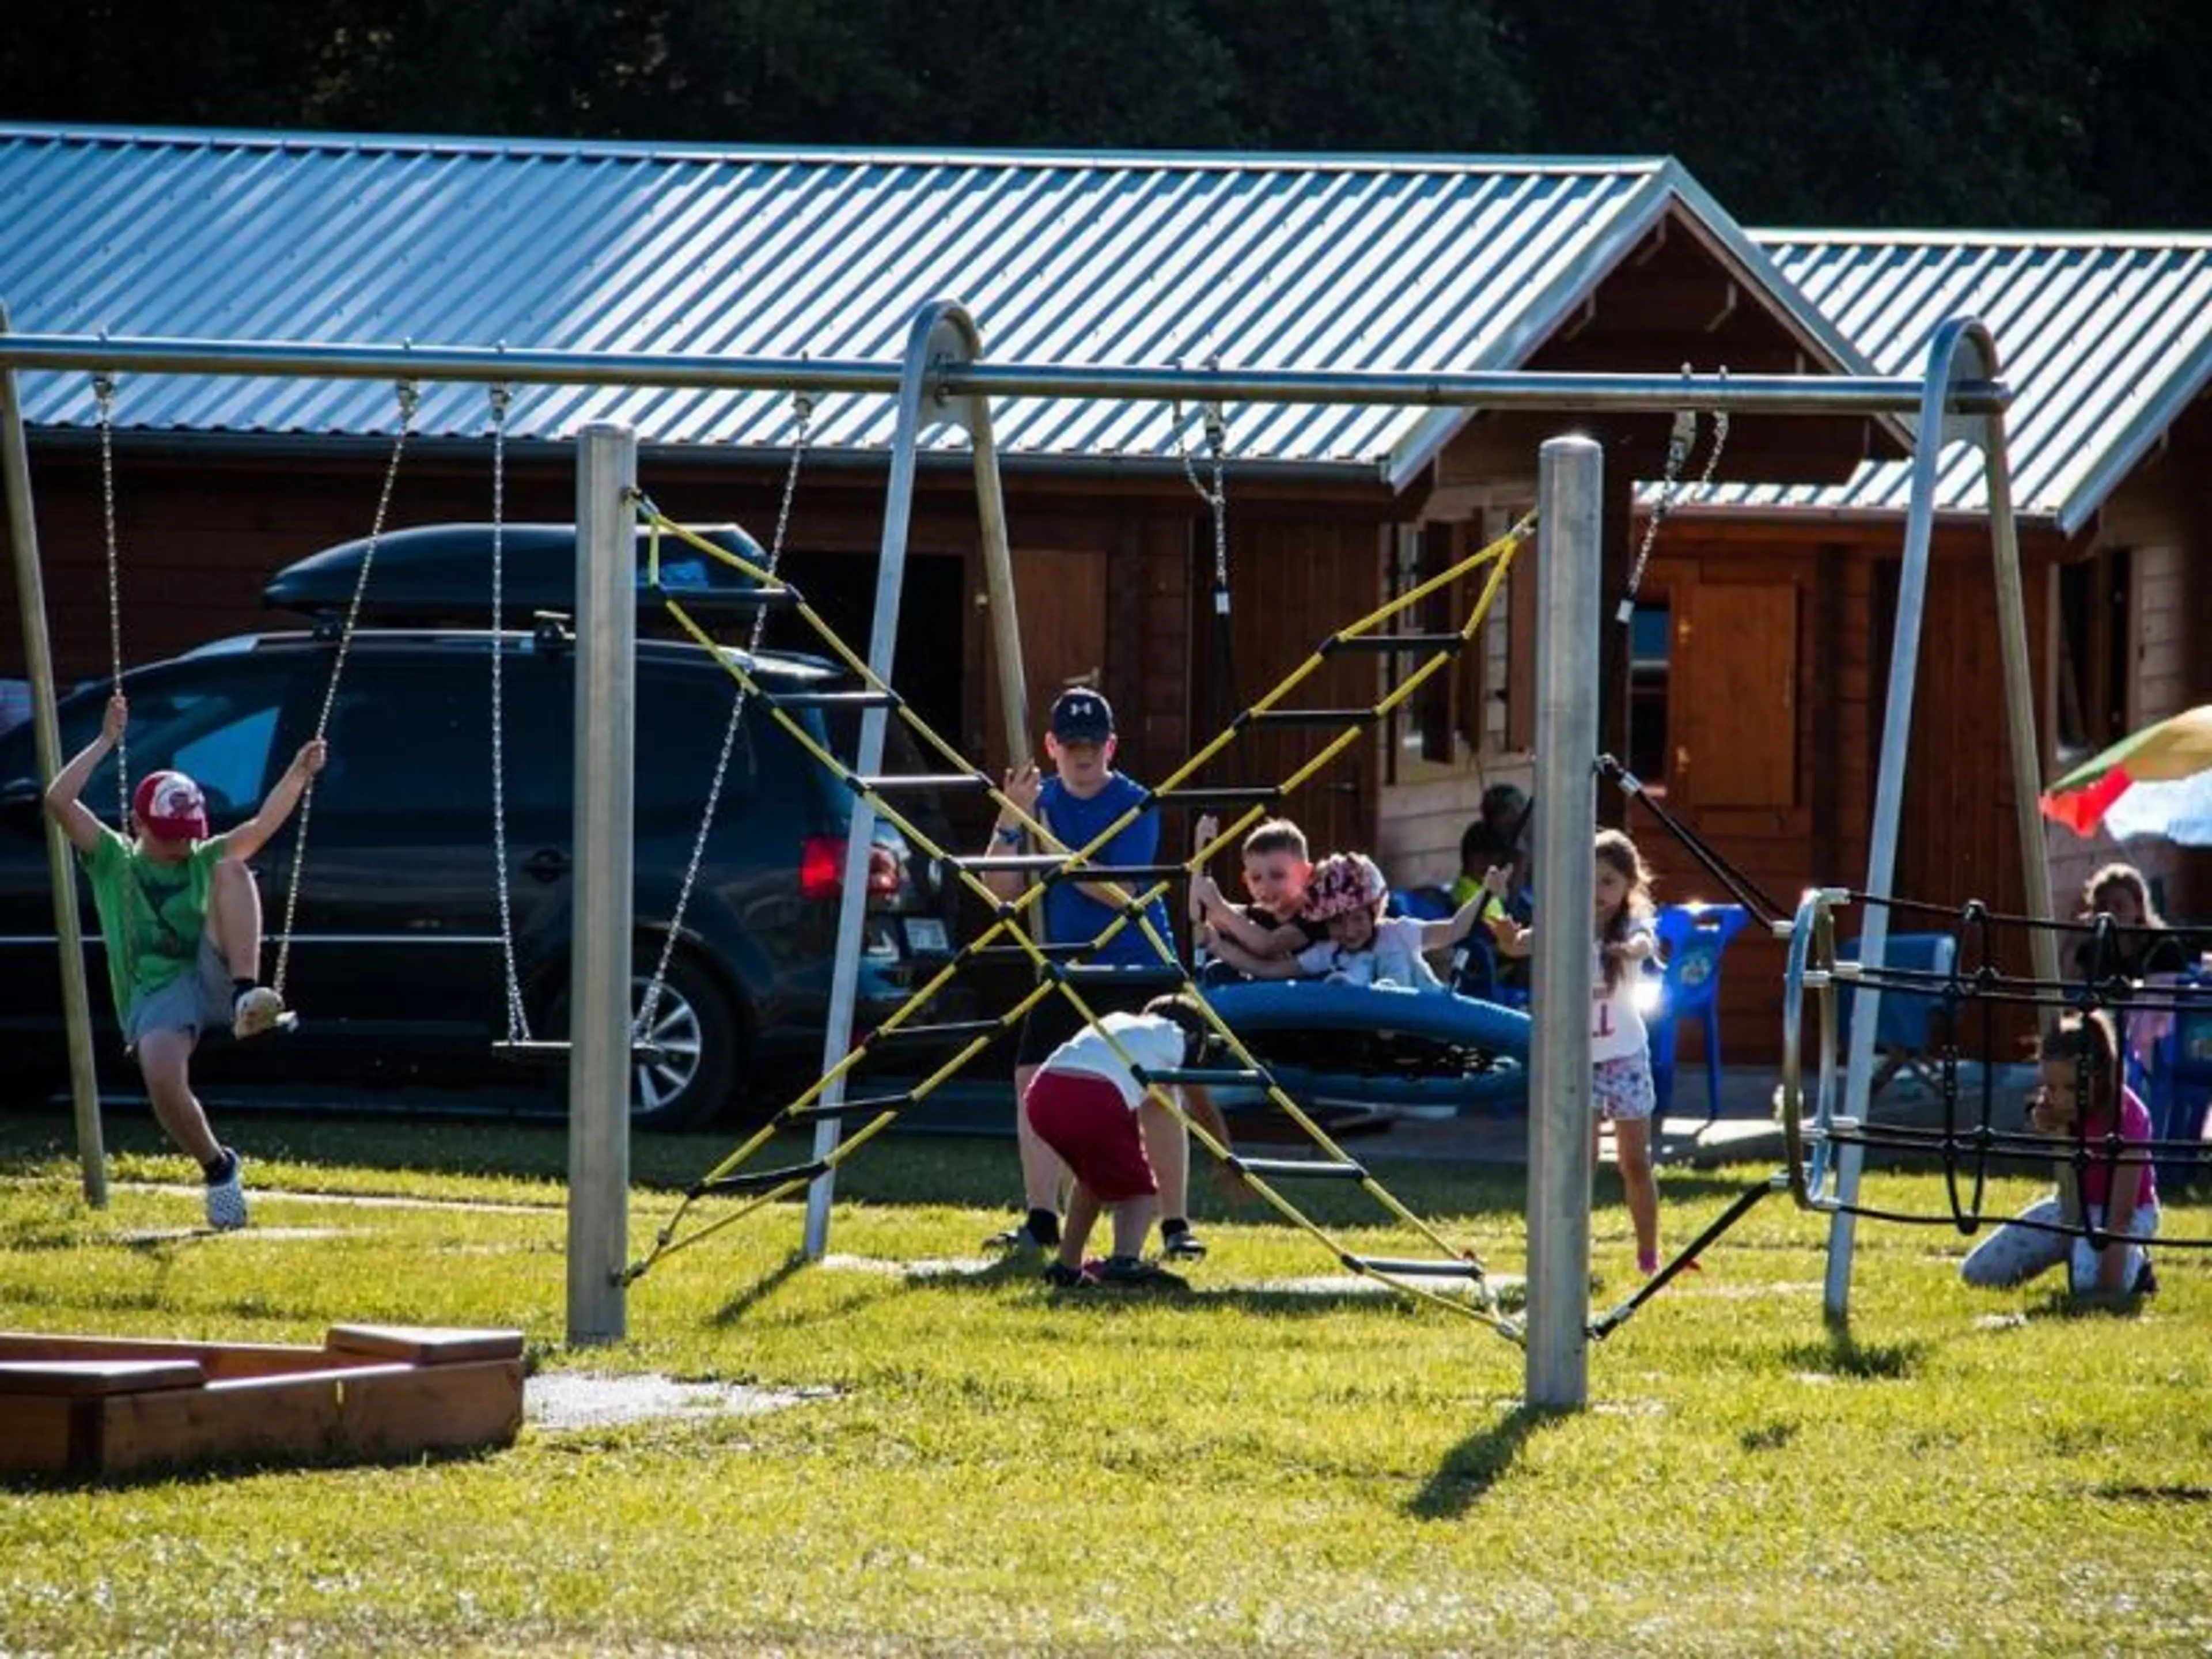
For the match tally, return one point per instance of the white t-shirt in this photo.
(1155, 1043)
(1616, 1023)
(1394, 959)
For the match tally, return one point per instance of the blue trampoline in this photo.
(1425, 1051)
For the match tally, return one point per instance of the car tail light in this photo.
(821, 869)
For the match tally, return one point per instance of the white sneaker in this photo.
(225, 1198)
(258, 1009)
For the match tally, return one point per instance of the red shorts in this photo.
(1084, 1119)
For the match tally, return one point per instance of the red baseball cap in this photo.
(171, 807)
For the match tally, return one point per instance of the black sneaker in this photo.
(1021, 1236)
(1061, 1277)
(1182, 1245)
(2147, 1280)
(1130, 1273)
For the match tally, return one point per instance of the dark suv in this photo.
(396, 958)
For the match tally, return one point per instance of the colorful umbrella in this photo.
(2157, 782)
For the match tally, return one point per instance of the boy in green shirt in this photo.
(182, 919)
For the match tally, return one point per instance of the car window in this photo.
(683, 715)
(215, 720)
(410, 734)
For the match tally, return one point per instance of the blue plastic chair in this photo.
(1474, 963)
(2181, 1083)
(1691, 940)
(1905, 1025)
(1422, 903)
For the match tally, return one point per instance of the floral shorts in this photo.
(1622, 1088)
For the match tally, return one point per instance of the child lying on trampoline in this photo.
(1363, 946)
(1085, 1101)
(1277, 870)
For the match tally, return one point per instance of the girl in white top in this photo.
(1621, 1088)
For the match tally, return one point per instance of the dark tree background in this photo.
(1989, 114)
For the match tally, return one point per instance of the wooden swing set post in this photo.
(45, 731)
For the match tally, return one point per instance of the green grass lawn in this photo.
(985, 1468)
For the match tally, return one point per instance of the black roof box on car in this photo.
(439, 575)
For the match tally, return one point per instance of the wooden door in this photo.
(1060, 598)
(1733, 699)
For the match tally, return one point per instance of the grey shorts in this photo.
(195, 1000)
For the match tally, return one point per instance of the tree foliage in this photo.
(1856, 113)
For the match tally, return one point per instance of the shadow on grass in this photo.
(210, 1474)
(1275, 1303)
(1841, 1354)
(2060, 1303)
(2165, 1494)
(1472, 1468)
(759, 1291)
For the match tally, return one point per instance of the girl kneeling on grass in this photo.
(1621, 1088)
(1085, 1101)
(2118, 1187)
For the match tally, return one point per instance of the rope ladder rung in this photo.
(839, 1110)
(761, 1181)
(1299, 1169)
(1413, 1267)
(898, 783)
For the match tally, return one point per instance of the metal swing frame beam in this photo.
(941, 378)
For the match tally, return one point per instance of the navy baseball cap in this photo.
(1081, 715)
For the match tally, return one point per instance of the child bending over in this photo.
(1086, 1102)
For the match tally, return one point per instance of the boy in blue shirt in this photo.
(1077, 804)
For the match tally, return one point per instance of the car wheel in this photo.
(696, 1032)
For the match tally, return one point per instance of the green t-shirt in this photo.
(151, 914)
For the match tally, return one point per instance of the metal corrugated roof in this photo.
(2104, 338)
(1343, 263)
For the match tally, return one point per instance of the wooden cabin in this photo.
(1780, 603)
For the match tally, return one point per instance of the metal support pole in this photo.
(599, 966)
(1492, 389)
(941, 334)
(1944, 364)
(46, 737)
(1568, 556)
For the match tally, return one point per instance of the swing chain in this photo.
(501, 398)
(1214, 493)
(409, 399)
(648, 1009)
(1680, 441)
(103, 396)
